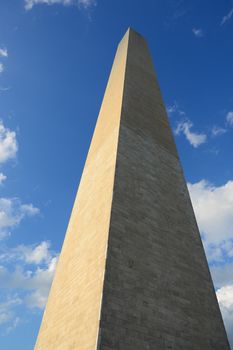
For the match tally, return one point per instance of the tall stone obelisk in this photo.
(132, 274)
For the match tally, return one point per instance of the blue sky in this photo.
(55, 58)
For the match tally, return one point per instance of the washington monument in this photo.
(132, 274)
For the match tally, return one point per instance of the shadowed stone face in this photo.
(132, 273)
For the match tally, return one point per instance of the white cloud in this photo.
(32, 283)
(29, 210)
(86, 4)
(38, 254)
(27, 254)
(12, 212)
(36, 283)
(225, 299)
(217, 131)
(229, 118)
(2, 178)
(3, 52)
(198, 32)
(194, 139)
(8, 143)
(1, 67)
(213, 207)
(227, 17)
(41, 283)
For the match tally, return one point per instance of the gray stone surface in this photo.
(158, 293)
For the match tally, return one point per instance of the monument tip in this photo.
(132, 30)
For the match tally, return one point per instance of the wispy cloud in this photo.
(227, 17)
(3, 52)
(7, 313)
(14, 324)
(1, 67)
(218, 130)
(85, 4)
(198, 32)
(229, 118)
(8, 143)
(195, 139)
(3, 88)
(2, 178)
(175, 108)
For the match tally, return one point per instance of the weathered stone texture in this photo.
(132, 271)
